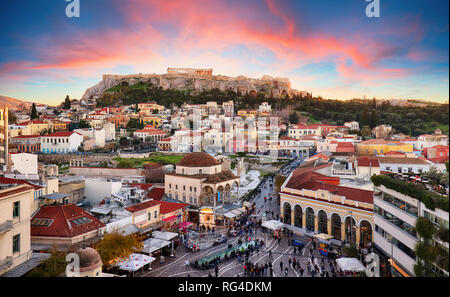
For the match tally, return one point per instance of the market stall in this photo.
(135, 262)
(350, 265)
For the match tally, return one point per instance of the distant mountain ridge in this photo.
(12, 102)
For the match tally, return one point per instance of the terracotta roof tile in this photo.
(64, 222)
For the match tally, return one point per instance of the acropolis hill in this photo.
(198, 80)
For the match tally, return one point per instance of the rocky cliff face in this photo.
(271, 86)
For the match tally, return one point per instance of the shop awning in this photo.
(185, 224)
(154, 244)
(323, 236)
(230, 215)
(170, 219)
(164, 235)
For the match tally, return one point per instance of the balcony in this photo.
(6, 263)
(6, 226)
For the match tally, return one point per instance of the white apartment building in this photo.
(61, 142)
(297, 131)
(430, 140)
(352, 125)
(403, 165)
(97, 189)
(264, 107)
(395, 216)
(98, 134)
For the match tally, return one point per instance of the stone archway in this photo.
(336, 226)
(298, 216)
(221, 190)
(207, 196)
(350, 230)
(323, 221)
(365, 229)
(287, 213)
(310, 217)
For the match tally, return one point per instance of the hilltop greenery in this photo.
(412, 120)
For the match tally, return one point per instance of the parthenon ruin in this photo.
(191, 71)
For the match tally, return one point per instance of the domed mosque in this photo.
(90, 264)
(201, 181)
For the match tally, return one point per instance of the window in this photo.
(394, 220)
(184, 188)
(16, 243)
(190, 189)
(176, 187)
(149, 216)
(395, 242)
(170, 186)
(16, 209)
(156, 214)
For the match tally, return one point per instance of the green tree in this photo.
(12, 118)
(365, 131)
(115, 246)
(124, 141)
(66, 103)
(34, 113)
(54, 266)
(83, 124)
(293, 118)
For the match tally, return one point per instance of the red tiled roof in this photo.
(15, 191)
(439, 160)
(284, 137)
(198, 159)
(142, 206)
(307, 178)
(151, 131)
(366, 162)
(344, 144)
(63, 224)
(156, 194)
(11, 181)
(141, 186)
(168, 207)
(61, 134)
(27, 136)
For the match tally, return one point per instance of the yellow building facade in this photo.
(376, 147)
(15, 213)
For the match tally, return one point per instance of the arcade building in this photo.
(200, 181)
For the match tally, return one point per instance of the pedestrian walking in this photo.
(290, 261)
(281, 265)
(186, 263)
(286, 271)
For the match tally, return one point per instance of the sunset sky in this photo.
(329, 48)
